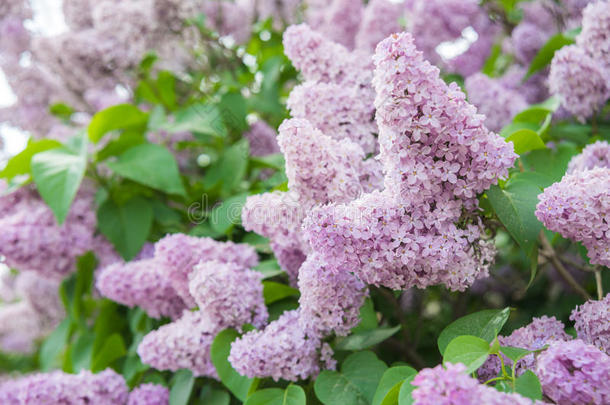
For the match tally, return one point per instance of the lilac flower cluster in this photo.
(229, 294)
(337, 20)
(380, 18)
(534, 336)
(595, 35)
(437, 156)
(20, 327)
(594, 155)
(592, 323)
(574, 372)
(144, 283)
(498, 103)
(105, 388)
(149, 394)
(180, 253)
(450, 385)
(577, 207)
(262, 139)
(281, 351)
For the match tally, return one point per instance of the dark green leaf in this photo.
(54, 345)
(528, 385)
(213, 396)
(546, 53)
(182, 387)
(471, 351)
(81, 352)
(293, 395)
(113, 349)
(273, 291)
(368, 317)
(233, 108)
(365, 339)
(389, 387)
(122, 116)
(228, 214)
(484, 324)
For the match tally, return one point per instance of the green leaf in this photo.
(126, 225)
(273, 291)
(525, 140)
(229, 171)
(182, 387)
(115, 147)
(355, 384)
(406, 389)
(234, 109)
(484, 324)
(200, 118)
(213, 396)
(514, 353)
(122, 116)
(390, 384)
(528, 385)
(53, 345)
(166, 86)
(546, 53)
(228, 214)
(239, 385)
(269, 268)
(58, 173)
(113, 349)
(151, 165)
(20, 163)
(293, 395)
(471, 351)
(551, 162)
(81, 352)
(368, 317)
(515, 206)
(61, 111)
(365, 339)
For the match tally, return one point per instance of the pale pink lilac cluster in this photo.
(498, 103)
(179, 253)
(592, 323)
(534, 336)
(574, 373)
(104, 388)
(143, 283)
(282, 12)
(20, 328)
(578, 208)
(594, 155)
(262, 139)
(437, 156)
(451, 385)
(380, 18)
(337, 20)
(595, 35)
(228, 18)
(229, 294)
(149, 394)
(281, 351)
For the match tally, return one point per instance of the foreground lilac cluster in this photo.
(592, 323)
(534, 336)
(450, 385)
(105, 388)
(580, 73)
(574, 373)
(437, 156)
(149, 394)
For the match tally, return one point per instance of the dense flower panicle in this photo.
(290, 257)
(229, 18)
(337, 20)
(284, 12)
(32, 240)
(20, 327)
(15, 8)
(592, 323)
(229, 294)
(379, 19)
(77, 13)
(180, 253)
(594, 155)
(340, 112)
(149, 394)
(595, 35)
(283, 350)
(144, 283)
(539, 23)
(574, 373)
(262, 139)
(578, 207)
(105, 388)
(321, 60)
(42, 294)
(496, 102)
(450, 385)
(330, 301)
(533, 336)
(14, 38)
(579, 81)
(184, 343)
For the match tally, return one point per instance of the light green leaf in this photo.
(182, 387)
(53, 345)
(471, 351)
(122, 116)
(200, 119)
(525, 140)
(368, 317)
(20, 163)
(389, 387)
(113, 349)
(151, 165)
(269, 268)
(514, 353)
(484, 324)
(228, 214)
(293, 395)
(365, 339)
(406, 389)
(528, 385)
(273, 291)
(546, 53)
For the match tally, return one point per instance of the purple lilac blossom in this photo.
(450, 385)
(42, 294)
(229, 294)
(262, 139)
(337, 20)
(574, 373)
(180, 253)
(533, 336)
(592, 323)
(595, 35)
(330, 301)
(594, 155)
(538, 24)
(104, 388)
(281, 351)
(379, 19)
(149, 394)
(282, 12)
(578, 208)
(77, 13)
(14, 38)
(579, 81)
(534, 89)
(496, 102)
(229, 18)
(184, 343)
(20, 327)
(144, 283)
